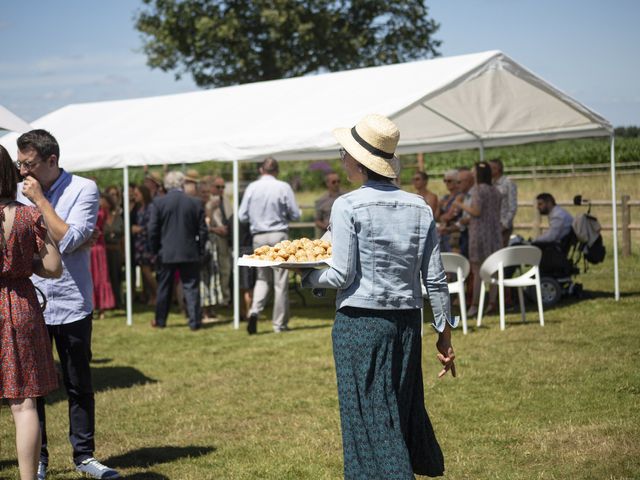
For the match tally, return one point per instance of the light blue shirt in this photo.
(70, 297)
(560, 222)
(385, 246)
(268, 205)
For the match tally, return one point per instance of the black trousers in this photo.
(190, 278)
(73, 343)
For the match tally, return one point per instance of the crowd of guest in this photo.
(475, 216)
(108, 252)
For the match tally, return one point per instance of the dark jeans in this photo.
(190, 278)
(73, 343)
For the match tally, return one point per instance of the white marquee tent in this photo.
(469, 101)
(10, 121)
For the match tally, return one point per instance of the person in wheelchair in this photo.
(557, 240)
(559, 219)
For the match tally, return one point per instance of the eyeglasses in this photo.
(343, 154)
(333, 182)
(27, 165)
(219, 187)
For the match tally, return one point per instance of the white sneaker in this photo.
(42, 471)
(94, 469)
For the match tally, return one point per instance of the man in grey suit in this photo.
(268, 205)
(177, 235)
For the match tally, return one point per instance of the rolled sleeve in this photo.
(81, 220)
(435, 282)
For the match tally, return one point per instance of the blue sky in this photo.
(56, 53)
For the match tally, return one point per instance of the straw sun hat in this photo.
(192, 175)
(372, 143)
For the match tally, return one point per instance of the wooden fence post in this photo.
(536, 218)
(626, 231)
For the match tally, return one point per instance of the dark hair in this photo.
(546, 197)
(109, 199)
(270, 165)
(423, 175)
(8, 175)
(376, 177)
(146, 194)
(41, 141)
(113, 187)
(498, 162)
(483, 173)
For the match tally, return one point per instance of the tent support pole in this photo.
(616, 276)
(236, 248)
(460, 126)
(127, 244)
(481, 151)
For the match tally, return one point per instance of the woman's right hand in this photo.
(446, 355)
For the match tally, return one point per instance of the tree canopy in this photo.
(226, 42)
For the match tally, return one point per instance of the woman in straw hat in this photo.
(385, 247)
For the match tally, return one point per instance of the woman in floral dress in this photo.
(103, 298)
(485, 233)
(26, 361)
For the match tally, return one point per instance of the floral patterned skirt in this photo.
(386, 431)
(26, 360)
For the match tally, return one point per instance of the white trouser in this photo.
(280, 279)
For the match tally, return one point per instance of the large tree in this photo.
(238, 41)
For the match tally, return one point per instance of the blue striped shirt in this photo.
(70, 297)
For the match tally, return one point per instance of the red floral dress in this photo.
(103, 298)
(26, 361)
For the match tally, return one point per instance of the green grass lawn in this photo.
(559, 402)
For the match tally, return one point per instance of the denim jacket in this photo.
(384, 242)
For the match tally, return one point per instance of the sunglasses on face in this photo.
(219, 187)
(334, 182)
(448, 180)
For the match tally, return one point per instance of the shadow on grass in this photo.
(106, 378)
(145, 476)
(149, 456)
(7, 464)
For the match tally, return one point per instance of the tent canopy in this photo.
(468, 101)
(10, 121)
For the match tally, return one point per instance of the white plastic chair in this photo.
(510, 257)
(456, 263)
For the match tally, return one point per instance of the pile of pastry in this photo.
(299, 250)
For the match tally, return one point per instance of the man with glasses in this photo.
(325, 202)
(69, 205)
